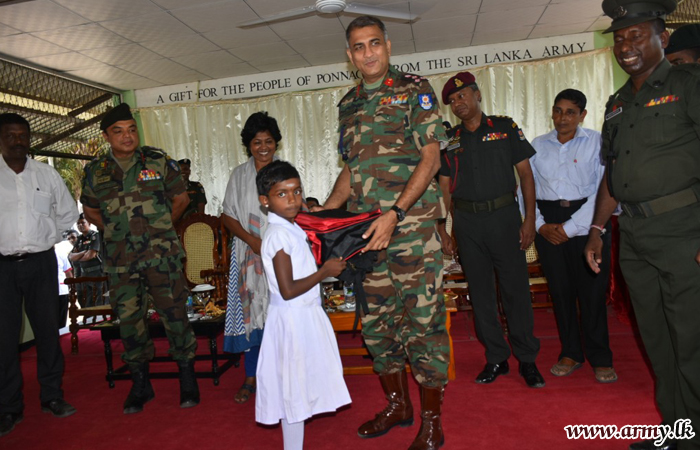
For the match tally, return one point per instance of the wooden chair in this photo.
(75, 286)
(539, 289)
(205, 241)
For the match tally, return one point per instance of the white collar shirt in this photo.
(570, 171)
(36, 207)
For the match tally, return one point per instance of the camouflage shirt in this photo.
(136, 208)
(381, 136)
(652, 135)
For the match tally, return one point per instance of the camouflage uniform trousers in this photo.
(407, 311)
(165, 285)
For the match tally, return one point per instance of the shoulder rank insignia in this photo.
(414, 78)
(494, 137)
(426, 101)
(149, 175)
(662, 100)
(399, 99)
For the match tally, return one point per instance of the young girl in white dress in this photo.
(299, 371)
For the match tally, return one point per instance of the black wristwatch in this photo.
(400, 213)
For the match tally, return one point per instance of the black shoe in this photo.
(58, 407)
(533, 378)
(492, 371)
(189, 389)
(141, 390)
(649, 445)
(8, 422)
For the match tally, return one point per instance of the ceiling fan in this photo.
(332, 7)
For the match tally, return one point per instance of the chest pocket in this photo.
(658, 124)
(390, 124)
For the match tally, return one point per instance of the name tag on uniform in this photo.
(102, 180)
(662, 100)
(394, 100)
(613, 113)
(149, 175)
(494, 137)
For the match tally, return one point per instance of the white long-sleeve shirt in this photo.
(570, 171)
(35, 207)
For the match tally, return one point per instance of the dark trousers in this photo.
(35, 281)
(570, 279)
(488, 241)
(657, 257)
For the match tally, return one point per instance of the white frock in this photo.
(299, 371)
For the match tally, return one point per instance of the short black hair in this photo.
(256, 123)
(312, 199)
(362, 22)
(574, 96)
(274, 173)
(82, 217)
(13, 119)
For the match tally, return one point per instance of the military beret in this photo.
(119, 112)
(625, 13)
(687, 36)
(456, 83)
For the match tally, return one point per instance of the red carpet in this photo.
(504, 415)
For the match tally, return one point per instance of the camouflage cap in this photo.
(625, 13)
(457, 82)
(119, 112)
(684, 38)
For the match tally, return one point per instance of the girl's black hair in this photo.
(272, 174)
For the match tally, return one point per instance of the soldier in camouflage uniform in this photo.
(390, 132)
(134, 193)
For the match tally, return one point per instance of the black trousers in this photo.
(571, 280)
(35, 281)
(488, 241)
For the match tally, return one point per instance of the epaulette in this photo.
(416, 79)
(154, 153)
(501, 117)
(350, 94)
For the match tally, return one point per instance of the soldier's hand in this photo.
(333, 267)
(554, 233)
(593, 251)
(527, 233)
(697, 257)
(448, 244)
(380, 231)
(255, 245)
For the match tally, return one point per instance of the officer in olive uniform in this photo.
(195, 190)
(134, 194)
(390, 132)
(651, 143)
(684, 45)
(477, 173)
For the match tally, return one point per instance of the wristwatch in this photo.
(400, 213)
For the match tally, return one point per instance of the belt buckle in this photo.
(481, 206)
(564, 203)
(632, 210)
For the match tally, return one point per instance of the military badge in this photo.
(489, 122)
(615, 112)
(620, 11)
(522, 136)
(426, 101)
(389, 82)
(174, 165)
(662, 100)
(102, 180)
(149, 175)
(459, 83)
(394, 100)
(494, 137)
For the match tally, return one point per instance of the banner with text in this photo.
(334, 75)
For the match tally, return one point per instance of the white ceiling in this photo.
(134, 44)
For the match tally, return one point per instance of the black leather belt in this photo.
(562, 203)
(664, 204)
(22, 256)
(485, 206)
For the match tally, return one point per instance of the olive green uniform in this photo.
(652, 144)
(142, 251)
(381, 136)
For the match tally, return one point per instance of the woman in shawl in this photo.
(247, 220)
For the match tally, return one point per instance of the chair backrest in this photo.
(204, 240)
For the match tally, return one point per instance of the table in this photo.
(343, 321)
(210, 329)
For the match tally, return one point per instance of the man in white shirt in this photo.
(567, 170)
(36, 206)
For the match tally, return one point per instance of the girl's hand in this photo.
(333, 267)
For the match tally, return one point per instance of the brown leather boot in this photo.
(430, 435)
(399, 411)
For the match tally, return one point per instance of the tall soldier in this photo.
(477, 173)
(650, 142)
(36, 207)
(134, 194)
(390, 133)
